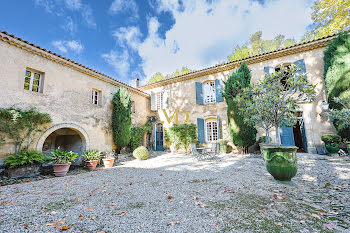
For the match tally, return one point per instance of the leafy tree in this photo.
(121, 118)
(257, 45)
(273, 102)
(329, 17)
(337, 76)
(343, 115)
(159, 77)
(21, 126)
(242, 134)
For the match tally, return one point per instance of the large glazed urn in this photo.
(281, 161)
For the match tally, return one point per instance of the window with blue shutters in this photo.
(209, 92)
(199, 93)
(200, 130)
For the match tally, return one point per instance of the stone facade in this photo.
(66, 94)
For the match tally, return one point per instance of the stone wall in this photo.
(66, 96)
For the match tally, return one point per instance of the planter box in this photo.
(281, 162)
(30, 170)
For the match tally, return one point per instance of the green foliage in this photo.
(222, 141)
(141, 153)
(273, 102)
(62, 157)
(263, 139)
(242, 134)
(21, 126)
(23, 158)
(341, 116)
(330, 138)
(181, 135)
(90, 155)
(121, 118)
(337, 77)
(329, 17)
(159, 77)
(137, 133)
(257, 45)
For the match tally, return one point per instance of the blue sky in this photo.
(137, 38)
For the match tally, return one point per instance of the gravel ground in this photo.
(174, 193)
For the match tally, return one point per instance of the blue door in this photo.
(159, 137)
(287, 136)
(302, 129)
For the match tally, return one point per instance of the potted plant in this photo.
(273, 101)
(62, 161)
(223, 145)
(91, 158)
(108, 159)
(331, 143)
(25, 164)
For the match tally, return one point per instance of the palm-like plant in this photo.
(62, 157)
(90, 155)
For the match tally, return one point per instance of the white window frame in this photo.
(209, 92)
(211, 130)
(95, 97)
(31, 80)
(159, 100)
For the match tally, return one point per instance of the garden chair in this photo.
(195, 153)
(204, 155)
(214, 151)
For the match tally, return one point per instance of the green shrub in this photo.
(90, 155)
(141, 153)
(222, 145)
(137, 133)
(222, 141)
(23, 158)
(181, 135)
(62, 157)
(330, 138)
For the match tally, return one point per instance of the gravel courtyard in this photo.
(173, 193)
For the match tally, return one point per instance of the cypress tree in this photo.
(242, 134)
(121, 118)
(337, 75)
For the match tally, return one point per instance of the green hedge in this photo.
(181, 135)
(330, 138)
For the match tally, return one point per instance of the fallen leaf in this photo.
(328, 226)
(173, 223)
(113, 204)
(93, 217)
(170, 197)
(228, 190)
(305, 215)
(79, 199)
(262, 211)
(196, 198)
(25, 224)
(81, 216)
(315, 216)
(4, 202)
(327, 185)
(198, 203)
(161, 175)
(90, 209)
(275, 196)
(101, 232)
(64, 228)
(35, 229)
(307, 200)
(122, 213)
(216, 224)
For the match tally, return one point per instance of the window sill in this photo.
(32, 92)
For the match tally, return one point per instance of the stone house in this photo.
(79, 99)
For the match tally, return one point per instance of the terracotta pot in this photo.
(91, 164)
(108, 163)
(281, 162)
(61, 169)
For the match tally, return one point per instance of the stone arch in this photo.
(79, 130)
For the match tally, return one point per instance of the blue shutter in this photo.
(153, 101)
(199, 93)
(269, 70)
(218, 125)
(200, 129)
(218, 87)
(287, 136)
(302, 67)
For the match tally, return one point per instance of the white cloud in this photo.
(64, 46)
(206, 33)
(128, 36)
(119, 61)
(73, 4)
(88, 16)
(119, 6)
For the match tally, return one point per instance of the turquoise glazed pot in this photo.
(281, 162)
(332, 148)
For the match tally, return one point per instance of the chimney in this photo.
(135, 82)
